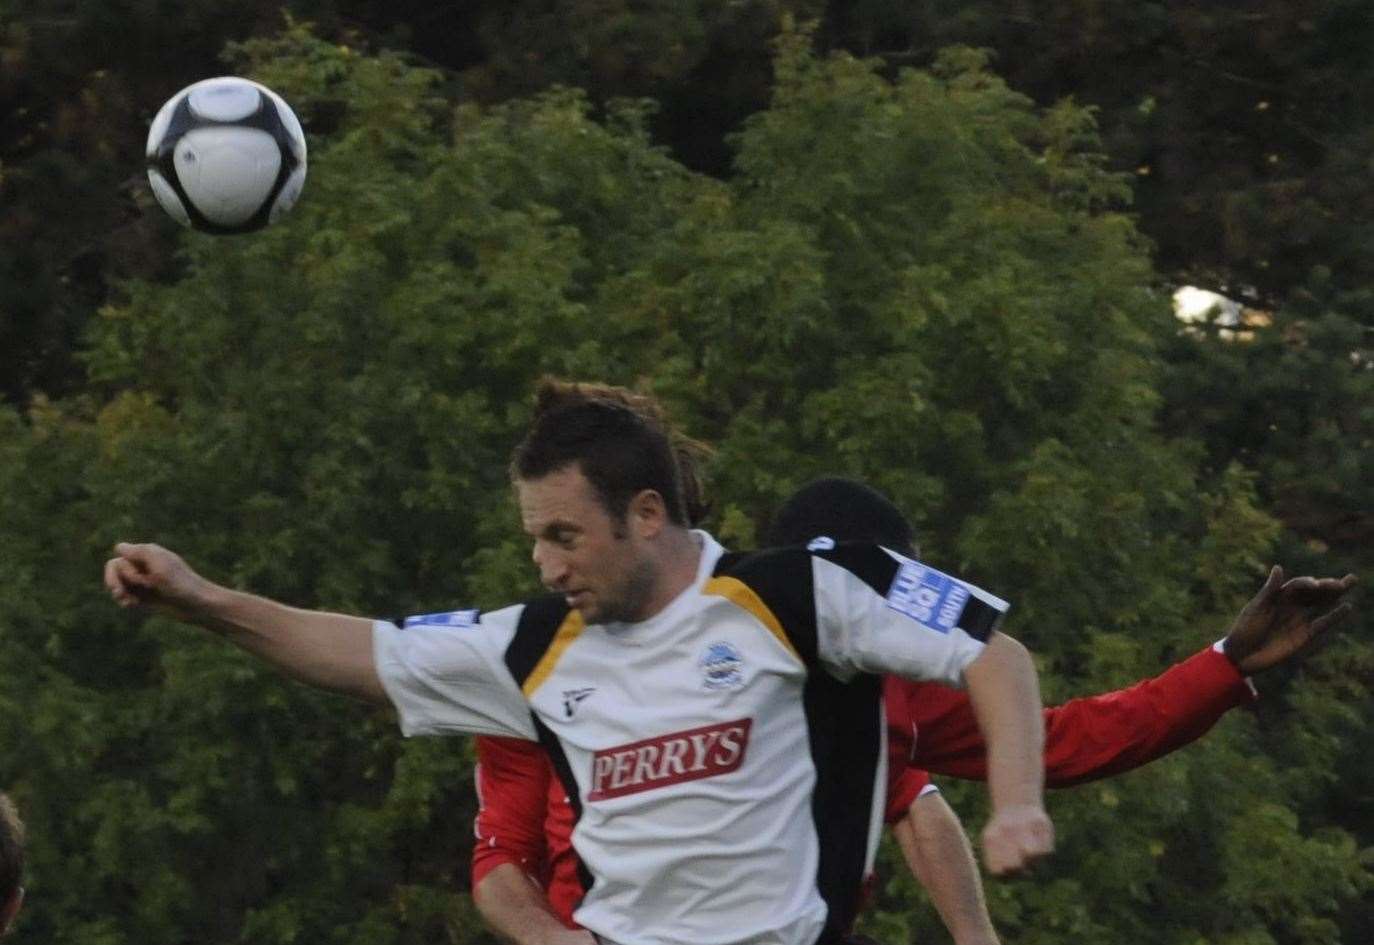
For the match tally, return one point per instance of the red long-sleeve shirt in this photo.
(525, 819)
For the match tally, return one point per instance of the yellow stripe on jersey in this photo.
(569, 630)
(742, 595)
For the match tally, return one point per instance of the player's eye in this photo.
(564, 538)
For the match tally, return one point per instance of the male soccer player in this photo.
(688, 697)
(1087, 739)
(11, 863)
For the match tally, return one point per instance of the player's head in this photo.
(615, 437)
(844, 510)
(11, 863)
(600, 483)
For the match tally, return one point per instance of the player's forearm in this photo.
(938, 852)
(518, 911)
(331, 651)
(1005, 693)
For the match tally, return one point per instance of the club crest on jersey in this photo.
(931, 598)
(722, 667)
(451, 618)
(669, 759)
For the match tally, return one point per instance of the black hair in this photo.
(844, 510)
(619, 439)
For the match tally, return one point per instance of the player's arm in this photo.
(1005, 694)
(332, 651)
(937, 850)
(442, 678)
(881, 613)
(1099, 736)
(516, 908)
(511, 778)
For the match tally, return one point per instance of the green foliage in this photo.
(922, 279)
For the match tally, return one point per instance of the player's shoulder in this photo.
(518, 634)
(527, 616)
(745, 564)
(872, 564)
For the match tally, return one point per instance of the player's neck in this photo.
(679, 559)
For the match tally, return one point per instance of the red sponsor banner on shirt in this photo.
(669, 759)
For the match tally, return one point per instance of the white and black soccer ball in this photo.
(226, 155)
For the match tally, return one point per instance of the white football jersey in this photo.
(724, 758)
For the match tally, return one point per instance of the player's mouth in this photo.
(577, 599)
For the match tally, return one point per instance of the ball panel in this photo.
(168, 198)
(227, 171)
(290, 192)
(226, 99)
(290, 123)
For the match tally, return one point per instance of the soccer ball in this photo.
(226, 155)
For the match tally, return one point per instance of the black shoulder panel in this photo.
(782, 579)
(539, 621)
(869, 563)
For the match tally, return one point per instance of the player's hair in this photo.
(844, 510)
(11, 850)
(621, 440)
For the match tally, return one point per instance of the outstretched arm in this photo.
(1005, 694)
(1099, 736)
(937, 850)
(332, 651)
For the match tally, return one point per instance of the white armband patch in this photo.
(941, 602)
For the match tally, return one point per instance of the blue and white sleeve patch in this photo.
(941, 602)
(449, 618)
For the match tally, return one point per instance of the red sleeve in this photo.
(512, 779)
(1088, 738)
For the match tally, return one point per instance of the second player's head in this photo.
(844, 510)
(601, 493)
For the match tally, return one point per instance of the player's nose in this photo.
(553, 568)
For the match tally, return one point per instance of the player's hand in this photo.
(1016, 837)
(152, 576)
(1284, 619)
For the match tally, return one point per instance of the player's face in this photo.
(597, 563)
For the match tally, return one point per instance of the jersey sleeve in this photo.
(512, 780)
(1088, 738)
(878, 612)
(447, 675)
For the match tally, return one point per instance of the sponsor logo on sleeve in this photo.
(722, 667)
(675, 758)
(451, 618)
(931, 598)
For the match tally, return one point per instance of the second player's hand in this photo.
(1278, 624)
(150, 575)
(1015, 838)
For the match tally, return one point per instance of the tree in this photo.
(923, 280)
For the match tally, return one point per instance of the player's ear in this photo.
(648, 513)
